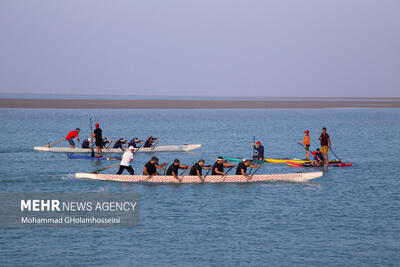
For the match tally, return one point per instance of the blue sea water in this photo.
(349, 217)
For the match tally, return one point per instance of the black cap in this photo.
(77, 129)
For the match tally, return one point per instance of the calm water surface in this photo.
(349, 217)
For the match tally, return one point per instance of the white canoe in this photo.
(179, 148)
(288, 177)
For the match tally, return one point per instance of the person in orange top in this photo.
(71, 135)
(306, 143)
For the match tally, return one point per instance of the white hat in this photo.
(131, 147)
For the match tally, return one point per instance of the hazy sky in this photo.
(201, 47)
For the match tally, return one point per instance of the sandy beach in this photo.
(198, 104)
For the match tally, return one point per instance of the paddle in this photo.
(183, 174)
(335, 155)
(301, 145)
(102, 169)
(226, 173)
(49, 145)
(254, 142)
(91, 138)
(251, 176)
(204, 178)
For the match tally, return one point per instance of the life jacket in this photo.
(306, 140)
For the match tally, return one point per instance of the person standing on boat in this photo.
(242, 168)
(174, 168)
(150, 142)
(325, 144)
(198, 167)
(70, 137)
(260, 151)
(306, 143)
(127, 158)
(219, 165)
(98, 136)
(150, 168)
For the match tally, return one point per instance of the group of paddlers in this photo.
(320, 156)
(153, 167)
(102, 143)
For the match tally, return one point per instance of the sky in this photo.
(219, 48)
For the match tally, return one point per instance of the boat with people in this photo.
(171, 148)
(278, 160)
(312, 164)
(194, 179)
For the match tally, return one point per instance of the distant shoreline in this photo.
(197, 104)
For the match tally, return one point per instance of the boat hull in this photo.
(286, 177)
(294, 160)
(176, 148)
(332, 164)
(278, 160)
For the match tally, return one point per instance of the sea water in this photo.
(350, 217)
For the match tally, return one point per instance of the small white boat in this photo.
(176, 148)
(286, 177)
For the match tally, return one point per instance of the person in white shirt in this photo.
(127, 158)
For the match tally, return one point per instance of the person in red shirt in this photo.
(71, 135)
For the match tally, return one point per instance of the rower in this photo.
(242, 168)
(135, 142)
(174, 168)
(120, 144)
(98, 135)
(150, 142)
(86, 143)
(150, 168)
(71, 135)
(105, 142)
(127, 157)
(260, 151)
(198, 167)
(219, 165)
(306, 143)
(325, 144)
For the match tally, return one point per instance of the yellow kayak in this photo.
(293, 160)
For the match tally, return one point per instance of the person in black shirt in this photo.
(242, 168)
(260, 151)
(86, 143)
(98, 135)
(150, 142)
(120, 143)
(174, 168)
(198, 167)
(135, 142)
(105, 142)
(219, 165)
(150, 168)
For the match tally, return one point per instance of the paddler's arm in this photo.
(218, 172)
(228, 165)
(146, 172)
(329, 144)
(184, 166)
(255, 166)
(244, 173)
(161, 166)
